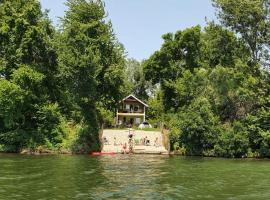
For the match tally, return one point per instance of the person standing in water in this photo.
(124, 150)
(130, 144)
(114, 141)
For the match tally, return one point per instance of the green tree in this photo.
(92, 66)
(28, 65)
(140, 87)
(206, 95)
(179, 50)
(197, 128)
(11, 115)
(249, 18)
(258, 132)
(221, 47)
(234, 91)
(156, 110)
(233, 142)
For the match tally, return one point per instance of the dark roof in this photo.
(135, 99)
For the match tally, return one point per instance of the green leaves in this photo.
(233, 142)
(27, 78)
(249, 18)
(179, 50)
(198, 127)
(11, 105)
(91, 68)
(208, 84)
(28, 72)
(49, 124)
(24, 37)
(213, 80)
(221, 47)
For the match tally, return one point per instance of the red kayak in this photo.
(103, 153)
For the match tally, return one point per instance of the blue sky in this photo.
(139, 24)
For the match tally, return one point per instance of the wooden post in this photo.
(101, 136)
(117, 117)
(144, 113)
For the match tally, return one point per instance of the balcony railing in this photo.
(130, 111)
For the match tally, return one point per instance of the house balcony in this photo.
(125, 111)
(130, 114)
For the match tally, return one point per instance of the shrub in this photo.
(196, 128)
(86, 140)
(233, 142)
(258, 132)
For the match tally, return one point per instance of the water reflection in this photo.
(128, 175)
(132, 177)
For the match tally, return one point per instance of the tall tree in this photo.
(91, 63)
(140, 87)
(250, 19)
(27, 67)
(179, 51)
(221, 47)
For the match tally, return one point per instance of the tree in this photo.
(249, 18)
(258, 132)
(28, 66)
(197, 127)
(11, 115)
(140, 87)
(207, 94)
(156, 110)
(234, 91)
(233, 142)
(221, 47)
(179, 50)
(92, 66)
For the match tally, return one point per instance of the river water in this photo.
(132, 177)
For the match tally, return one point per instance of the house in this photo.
(131, 111)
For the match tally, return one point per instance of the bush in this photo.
(233, 142)
(258, 127)
(11, 103)
(49, 125)
(196, 128)
(86, 141)
(106, 117)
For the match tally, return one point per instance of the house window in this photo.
(127, 106)
(131, 108)
(136, 108)
(138, 120)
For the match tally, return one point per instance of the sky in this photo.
(139, 24)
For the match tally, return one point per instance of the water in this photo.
(132, 177)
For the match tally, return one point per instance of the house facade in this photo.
(131, 111)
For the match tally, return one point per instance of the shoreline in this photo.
(171, 154)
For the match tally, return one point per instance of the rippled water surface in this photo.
(132, 177)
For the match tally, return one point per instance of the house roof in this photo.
(136, 99)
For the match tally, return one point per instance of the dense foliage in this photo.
(55, 86)
(210, 86)
(138, 84)
(214, 83)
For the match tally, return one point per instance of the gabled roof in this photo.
(136, 99)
